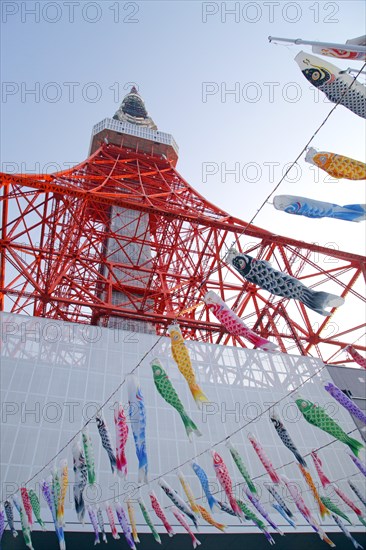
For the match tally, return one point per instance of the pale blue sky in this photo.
(170, 53)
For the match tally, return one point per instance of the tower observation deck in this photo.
(131, 127)
(123, 241)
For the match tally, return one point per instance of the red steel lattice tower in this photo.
(123, 241)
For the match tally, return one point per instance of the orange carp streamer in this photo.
(337, 166)
(309, 480)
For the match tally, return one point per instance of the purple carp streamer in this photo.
(94, 522)
(122, 518)
(262, 274)
(258, 505)
(2, 523)
(100, 519)
(55, 487)
(345, 401)
(360, 465)
(47, 494)
(333, 82)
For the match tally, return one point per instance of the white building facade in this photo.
(55, 375)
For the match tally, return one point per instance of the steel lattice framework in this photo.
(55, 262)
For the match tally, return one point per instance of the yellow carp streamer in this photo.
(181, 357)
(337, 166)
(207, 517)
(64, 484)
(309, 480)
(131, 515)
(189, 493)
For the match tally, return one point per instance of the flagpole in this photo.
(298, 41)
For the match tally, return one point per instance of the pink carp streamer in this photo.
(27, 505)
(264, 459)
(184, 524)
(160, 513)
(258, 505)
(356, 356)
(319, 468)
(348, 501)
(305, 511)
(223, 476)
(121, 440)
(233, 323)
(112, 523)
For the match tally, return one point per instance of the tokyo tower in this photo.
(123, 241)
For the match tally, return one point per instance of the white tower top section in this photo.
(133, 110)
(131, 127)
